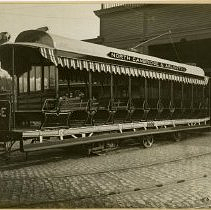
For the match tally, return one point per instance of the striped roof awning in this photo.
(96, 66)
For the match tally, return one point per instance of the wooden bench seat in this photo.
(72, 105)
(68, 112)
(119, 110)
(102, 111)
(138, 113)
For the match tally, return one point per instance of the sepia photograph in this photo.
(105, 105)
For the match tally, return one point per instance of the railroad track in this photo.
(180, 183)
(119, 169)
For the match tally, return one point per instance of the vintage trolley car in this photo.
(94, 95)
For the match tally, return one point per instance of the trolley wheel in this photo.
(177, 136)
(148, 141)
(34, 141)
(111, 144)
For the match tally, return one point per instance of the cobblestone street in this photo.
(168, 175)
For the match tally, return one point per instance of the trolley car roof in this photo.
(83, 55)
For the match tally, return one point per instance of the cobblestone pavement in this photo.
(176, 175)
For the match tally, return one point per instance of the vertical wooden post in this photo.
(42, 78)
(130, 90)
(159, 89)
(18, 85)
(13, 87)
(90, 86)
(35, 76)
(172, 92)
(182, 96)
(28, 81)
(145, 90)
(192, 89)
(57, 81)
(101, 89)
(112, 87)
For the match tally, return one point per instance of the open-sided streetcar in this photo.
(87, 94)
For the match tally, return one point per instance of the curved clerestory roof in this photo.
(74, 53)
(99, 51)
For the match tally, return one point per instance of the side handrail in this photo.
(130, 105)
(171, 106)
(146, 106)
(206, 103)
(93, 105)
(160, 106)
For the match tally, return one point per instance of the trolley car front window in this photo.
(32, 79)
(23, 83)
(38, 78)
(35, 77)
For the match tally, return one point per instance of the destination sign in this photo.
(5, 112)
(146, 62)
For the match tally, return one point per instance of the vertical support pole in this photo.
(35, 76)
(130, 90)
(90, 86)
(57, 81)
(112, 87)
(172, 91)
(182, 98)
(159, 89)
(182, 95)
(42, 78)
(13, 87)
(42, 83)
(28, 81)
(101, 89)
(145, 89)
(69, 80)
(192, 89)
(18, 91)
(141, 88)
(21, 145)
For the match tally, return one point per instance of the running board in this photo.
(106, 137)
